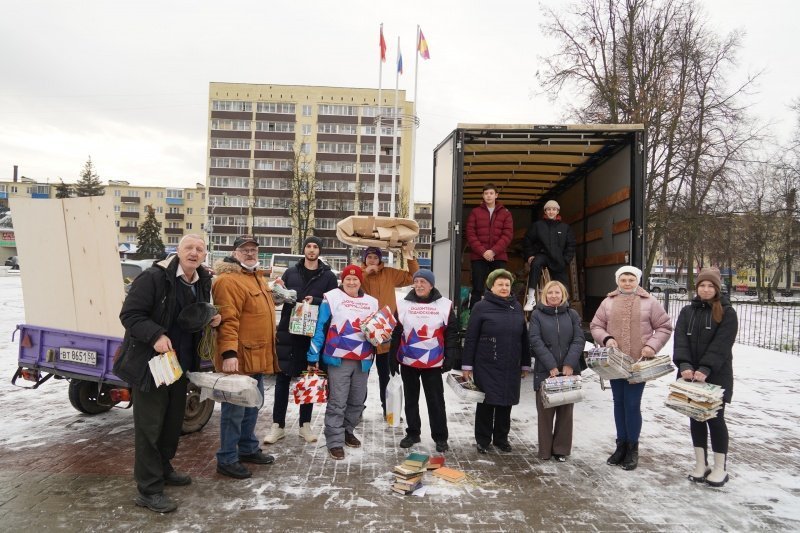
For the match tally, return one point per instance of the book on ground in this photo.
(435, 462)
(407, 471)
(408, 483)
(449, 474)
(405, 489)
(416, 459)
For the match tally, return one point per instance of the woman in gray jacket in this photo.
(557, 342)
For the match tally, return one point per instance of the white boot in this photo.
(530, 302)
(701, 469)
(718, 476)
(305, 432)
(275, 434)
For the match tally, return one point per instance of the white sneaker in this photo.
(529, 303)
(305, 432)
(275, 434)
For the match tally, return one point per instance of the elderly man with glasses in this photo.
(245, 345)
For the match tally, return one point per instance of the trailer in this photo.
(595, 172)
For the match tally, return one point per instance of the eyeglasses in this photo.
(248, 251)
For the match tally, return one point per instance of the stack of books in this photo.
(648, 369)
(408, 475)
(699, 401)
(165, 368)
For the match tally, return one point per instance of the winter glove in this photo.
(394, 365)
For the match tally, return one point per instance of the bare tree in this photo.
(302, 186)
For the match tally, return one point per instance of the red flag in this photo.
(422, 46)
(383, 46)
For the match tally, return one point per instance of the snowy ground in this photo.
(306, 490)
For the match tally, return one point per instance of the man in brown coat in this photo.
(245, 345)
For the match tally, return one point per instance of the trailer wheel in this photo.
(83, 395)
(197, 412)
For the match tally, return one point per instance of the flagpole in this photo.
(378, 131)
(394, 138)
(413, 134)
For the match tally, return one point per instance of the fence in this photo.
(774, 326)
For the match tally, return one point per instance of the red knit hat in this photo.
(353, 270)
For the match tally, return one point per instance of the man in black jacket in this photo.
(311, 278)
(548, 243)
(149, 316)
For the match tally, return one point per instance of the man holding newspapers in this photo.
(150, 317)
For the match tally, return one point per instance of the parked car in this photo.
(664, 285)
(13, 262)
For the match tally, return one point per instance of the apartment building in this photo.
(179, 210)
(261, 136)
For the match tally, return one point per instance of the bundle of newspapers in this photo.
(647, 369)
(609, 363)
(699, 401)
(231, 388)
(561, 390)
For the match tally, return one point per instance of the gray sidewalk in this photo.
(73, 473)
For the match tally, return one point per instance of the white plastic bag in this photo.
(231, 388)
(394, 400)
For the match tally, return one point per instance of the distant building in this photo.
(256, 131)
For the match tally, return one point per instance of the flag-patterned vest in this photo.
(345, 339)
(424, 325)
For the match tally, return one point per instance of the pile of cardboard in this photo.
(699, 401)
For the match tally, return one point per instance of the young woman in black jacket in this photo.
(703, 346)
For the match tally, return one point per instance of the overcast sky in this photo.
(127, 82)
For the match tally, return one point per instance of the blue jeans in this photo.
(627, 409)
(237, 426)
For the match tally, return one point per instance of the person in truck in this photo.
(549, 243)
(245, 345)
(490, 229)
(149, 316)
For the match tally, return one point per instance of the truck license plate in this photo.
(85, 357)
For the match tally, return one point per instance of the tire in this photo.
(656, 289)
(84, 397)
(197, 413)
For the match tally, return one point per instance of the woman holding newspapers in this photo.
(703, 351)
(634, 322)
(557, 342)
(496, 352)
(348, 354)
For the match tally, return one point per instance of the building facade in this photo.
(264, 141)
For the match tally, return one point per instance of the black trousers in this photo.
(480, 271)
(539, 262)
(157, 420)
(492, 423)
(433, 386)
(282, 382)
(718, 429)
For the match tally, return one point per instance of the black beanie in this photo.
(316, 240)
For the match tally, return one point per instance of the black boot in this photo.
(631, 460)
(619, 453)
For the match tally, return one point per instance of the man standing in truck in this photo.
(490, 229)
(149, 315)
(549, 243)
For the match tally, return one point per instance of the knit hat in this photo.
(629, 269)
(552, 203)
(353, 270)
(372, 250)
(425, 274)
(711, 274)
(316, 240)
(498, 273)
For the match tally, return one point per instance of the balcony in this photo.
(128, 229)
(129, 214)
(173, 216)
(173, 231)
(129, 199)
(174, 201)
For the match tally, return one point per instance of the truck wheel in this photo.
(84, 397)
(197, 412)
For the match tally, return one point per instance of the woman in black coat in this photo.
(704, 336)
(557, 342)
(496, 349)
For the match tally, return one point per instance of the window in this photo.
(305, 148)
(230, 105)
(423, 254)
(117, 193)
(336, 148)
(371, 111)
(222, 240)
(272, 222)
(307, 110)
(116, 222)
(230, 144)
(423, 238)
(230, 162)
(273, 164)
(188, 225)
(335, 204)
(173, 239)
(272, 203)
(273, 183)
(116, 209)
(275, 107)
(130, 238)
(370, 130)
(189, 211)
(336, 185)
(174, 193)
(331, 243)
(160, 210)
(365, 206)
(230, 125)
(174, 210)
(424, 223)
(161, 194)
(228, 220)
(148, 194)
(306, 129)
(189, 195)
(369, 168)
(346, 110)
(274, 241)
(173, 225)
(275, 146)
(368, 186)
(263, 125)
(229, 182)
(343, 129)
(336, 167)
(131, 224)
(325, 223)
